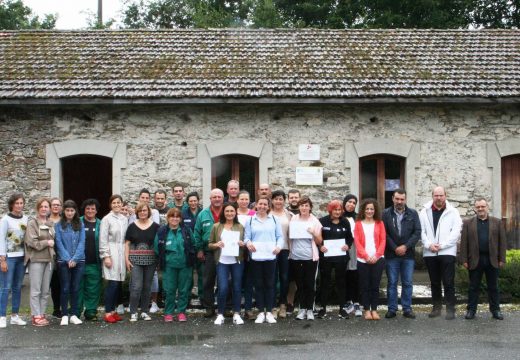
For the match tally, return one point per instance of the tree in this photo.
(266, 15)
(497, 13)
(14, 15)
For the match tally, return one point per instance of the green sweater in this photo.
(202, 230)
(174, 246)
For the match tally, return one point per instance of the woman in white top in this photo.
(112, 251)
(282, 259)
(370, 240)
(264, 239)
(305, 237)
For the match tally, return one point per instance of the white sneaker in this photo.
(220, 320)
(310, 315)
(154, 308)
(3, 322)
(358, 311)
(237, 320)
(17, 320)
(145, 316)
(120, 309)
(350, 307)
(133, 317)
(270, 318)
(301, 314)
(64, 320)
(75, 321)
(260, 318)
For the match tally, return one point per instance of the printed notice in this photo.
(308, 152)
(309, 175)
(334, 247)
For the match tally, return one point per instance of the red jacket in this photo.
(379, 237)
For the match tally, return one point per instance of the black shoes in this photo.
(343, 313)
(409, 314)
(435, 313)
(450, 315)
(321, 314)
(497, 315)
(470, 315)
(390, 315)
(209, 313)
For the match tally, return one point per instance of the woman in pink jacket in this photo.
(370, 240)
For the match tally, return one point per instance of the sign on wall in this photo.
(309, 175)
(308, 152)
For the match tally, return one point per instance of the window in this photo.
(379, 176)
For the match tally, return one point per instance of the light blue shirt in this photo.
(266, 230)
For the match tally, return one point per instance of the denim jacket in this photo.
(70, 244)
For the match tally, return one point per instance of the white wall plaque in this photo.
(309, 176)
(308, 152)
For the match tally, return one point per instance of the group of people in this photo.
(267, 251)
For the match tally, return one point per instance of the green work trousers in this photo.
(199, 269)
(90, 290)
(176, 280)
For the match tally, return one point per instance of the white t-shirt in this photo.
(370, 242)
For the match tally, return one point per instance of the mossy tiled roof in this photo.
(249, 64)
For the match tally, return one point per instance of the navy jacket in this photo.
(410, 232)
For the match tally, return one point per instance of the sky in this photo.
(73, 14)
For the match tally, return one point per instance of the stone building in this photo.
(90, 113)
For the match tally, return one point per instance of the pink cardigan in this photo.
(379, 237)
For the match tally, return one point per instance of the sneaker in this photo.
(182, 317)
(269, 318)
(145, 316)
(120, 310)
(133, 317)
(109, 318)
(250, 315)
(260, 318)
(64, 320)
(357, 310)
(17, 320)
(219, 320)
(237, 320)
(390, 314)
(301, 314)
(209, 313)
(343, 313)
(350, 307)
(275, 313)
(57, 314)
(409, 314)
(322, 313)
(167, 318)
(310, 315)
(290, 309)
(74, 320)
(3, 322)
(282, 314)
(154, 308)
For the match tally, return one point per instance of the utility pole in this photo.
(100, 13)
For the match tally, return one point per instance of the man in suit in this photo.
(483, 251)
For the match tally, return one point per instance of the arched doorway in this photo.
(87, 176)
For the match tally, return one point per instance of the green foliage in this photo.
(14, 15)
(266, 15)
(496, 14)
(508, 278)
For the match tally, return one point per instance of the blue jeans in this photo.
(404, 267)
(12, 281)
(70, 280)
(223, 270)
(282, 269)
(248, 285)
(112, 291)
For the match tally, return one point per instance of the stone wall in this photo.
(162, 142)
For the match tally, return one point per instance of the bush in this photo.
(508, 278)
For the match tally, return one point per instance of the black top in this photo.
(91, 255)
(141, 239)
(331, 231)
(436, 214)
(483, 235)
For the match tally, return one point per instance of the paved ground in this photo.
(332, 338)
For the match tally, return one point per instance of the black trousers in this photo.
(55, 288)
(208, 280)
(326, 268)
(305, 272)
(352, 286)
(369, 280)
(475, 278)
(441, 269)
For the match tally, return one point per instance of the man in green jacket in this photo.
(203, 226)
(90, 286)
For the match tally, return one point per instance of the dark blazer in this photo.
(410, 232)
(469, 246)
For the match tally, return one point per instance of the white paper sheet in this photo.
(334, 247)
(298, 230)
(264, 251)
(230, 240)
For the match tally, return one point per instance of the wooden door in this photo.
(380, 176)
(235, 167)
(87, 176)
(511, 199)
